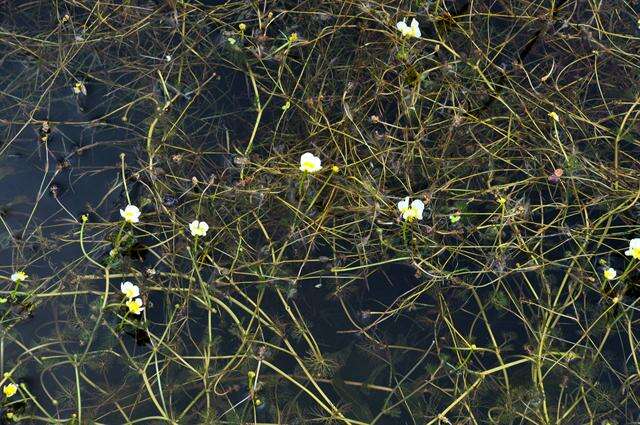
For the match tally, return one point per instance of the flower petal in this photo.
(403, 205)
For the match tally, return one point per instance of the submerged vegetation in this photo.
(293, 212)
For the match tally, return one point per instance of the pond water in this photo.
(310, 299)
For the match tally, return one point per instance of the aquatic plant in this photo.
(412, 30)
(135, 306)
(280, 273)
(411, 211)
(10, 390)
(131, 214)
(129, 290)
(19, 276)
(310, 163)
(198, 228)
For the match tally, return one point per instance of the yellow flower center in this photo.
(308, 165)
(410, 214)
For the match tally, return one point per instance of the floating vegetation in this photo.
(293, 212)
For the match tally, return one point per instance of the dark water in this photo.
(46, 185)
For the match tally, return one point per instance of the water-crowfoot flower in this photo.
(135, 306)
(411, 211)
(129, 290)
(79, 88)
(412, 30)
(198, 228)
(634, 249)
(10, 390)
(610, 273)
(310, 163)
(131, 214)
(20, 276)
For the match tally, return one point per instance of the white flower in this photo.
(310, 163)
(79, 88)
(411, 211)
(131, 214)
(198, 228)
(610, 273)
(409, 31)
(19, 276)
(634, 249)
(135, 306)
(129, 290)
